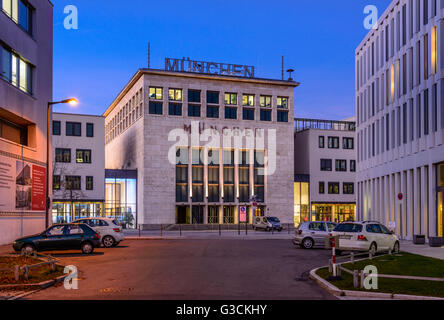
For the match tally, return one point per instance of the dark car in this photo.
(60, 237)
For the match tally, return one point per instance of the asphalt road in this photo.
(193, 270)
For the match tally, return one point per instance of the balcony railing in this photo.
(305, 124)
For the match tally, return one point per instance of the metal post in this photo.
(246, 228)
(180, 230)
(238, 228)
(220, 233)
(16, 273)
(362, 279)
(355, 278)
(333, 258)
(139, 230)
(352, 257)
(330, 266)
(161, 231)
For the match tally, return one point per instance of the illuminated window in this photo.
(434, 49)
(265, 101)
(156, 93)
(56, 182)
(175, 94)
(248, 100)
(83, 156)
(392, 83)
(63, 155)
(231, 99)
(282, 102)
(333, 188)
(89, 183)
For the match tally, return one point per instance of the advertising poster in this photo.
(22, 185)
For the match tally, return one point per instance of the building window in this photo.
(348, 188)
(73, 129)
(248, 100)
(348, 143)
(175, 94)
(231, 99)
(265, 101)
(13, 132)
(90, 130)
(326, 165)
(83, 156)
(212, 112)
(194, 111)
(194, 96)
(265, 115)
(63, 155)
(175, 109)
(352, 165)
(20, 12)
(282, 116)
(230, 113)
(321, 187)
(341, 165)
(333, 142)
(321, 142)
(56, 182)
(213, 97)
(155, 108)
(156, 93)
(248, 114)
(15, 70)
(282, 102)
(73, 183)
(182, 175)
(333, 188)
(89, 183)
(56, 128)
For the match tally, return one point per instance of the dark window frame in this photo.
(56, 130)
(71, 129)
(90, 130)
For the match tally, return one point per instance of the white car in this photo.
(110, 231)
(369, 236)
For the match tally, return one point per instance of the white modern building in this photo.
(400, 119)
(78, 174)
(209, 143)
(325, 170)
(25, 90)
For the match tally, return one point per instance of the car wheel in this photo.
(307, 243)
(108, 241)
(373, 249)
(87, 247)
(396, 248)
(27, 249)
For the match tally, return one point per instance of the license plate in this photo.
(345, 237)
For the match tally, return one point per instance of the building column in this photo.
(432, 201)
(424, 201)
(410, 204)
(387, 200)
(398, 203)
(392, 203)
(417, 201)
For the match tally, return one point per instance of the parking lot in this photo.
(193, 269)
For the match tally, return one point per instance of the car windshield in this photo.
(271, 219)
(348, 227)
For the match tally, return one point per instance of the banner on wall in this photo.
(22, 186)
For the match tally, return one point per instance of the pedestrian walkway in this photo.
(202, 234)
(424, 250)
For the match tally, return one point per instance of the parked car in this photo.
(369, 236)
(60, 237)
(313, 234)
(110, 230)
(267, 223)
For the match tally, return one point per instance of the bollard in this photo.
(370, 256)
(16, 273)
(220, 231)
(238, 229)
(330, 266)
(352, 257)
(26, 272)
(333, 258)
(338, 271)
(355, 278)
(246, 228)
(139, 231)
(180, 230)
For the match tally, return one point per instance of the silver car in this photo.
(313, 234)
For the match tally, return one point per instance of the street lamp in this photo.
(72, 102)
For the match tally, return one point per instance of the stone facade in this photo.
(143, 143)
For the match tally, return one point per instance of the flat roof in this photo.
(78, 114)
(215, 77)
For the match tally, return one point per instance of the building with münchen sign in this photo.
(203, 144)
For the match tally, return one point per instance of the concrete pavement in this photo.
(194, 270)
(424, 250)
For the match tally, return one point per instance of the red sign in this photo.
(38, 188)
(242, 214)
(400, 196)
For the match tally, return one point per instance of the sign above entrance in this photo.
(204, 67)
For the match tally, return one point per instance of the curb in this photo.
(40, 285)
(362, 294)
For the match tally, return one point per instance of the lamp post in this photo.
(72, 102)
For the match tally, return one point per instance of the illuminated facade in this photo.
(400, 116)
(325, 166)
(160, 125)
(78, 173)
(25, 89)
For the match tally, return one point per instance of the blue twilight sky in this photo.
(317, 38)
